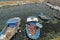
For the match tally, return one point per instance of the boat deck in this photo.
(9, 33)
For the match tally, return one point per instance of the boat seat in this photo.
(12, 26)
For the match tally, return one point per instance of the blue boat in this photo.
(43, 17)
(33, 28)
(10, 29)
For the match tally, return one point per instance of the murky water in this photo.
(23, 11)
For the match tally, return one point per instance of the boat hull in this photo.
(44, 19)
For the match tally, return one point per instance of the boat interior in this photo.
(10, 31)
(32, 27)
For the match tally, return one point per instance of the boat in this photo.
(33, 27)
(43, 17)
(57, 17)
(12, 26)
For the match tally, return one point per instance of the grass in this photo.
(48, 31)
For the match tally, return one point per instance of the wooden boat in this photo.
(57, 17)
(43, 17)
(11, 27)
(33, 28)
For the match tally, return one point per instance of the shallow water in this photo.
(23, 11)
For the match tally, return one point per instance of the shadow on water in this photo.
(47, 28)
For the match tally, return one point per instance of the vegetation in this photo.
(49, 30)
